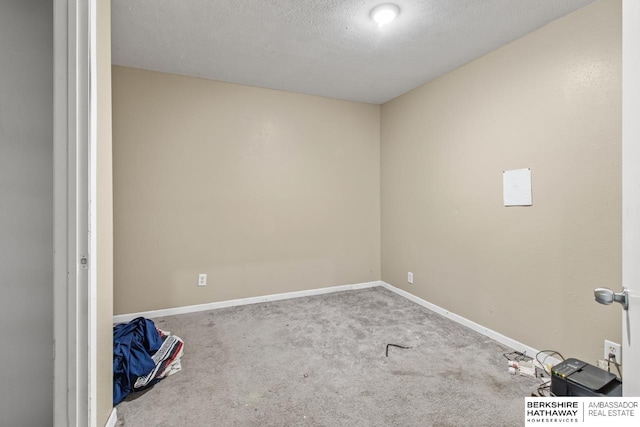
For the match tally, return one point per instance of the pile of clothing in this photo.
(142, 356)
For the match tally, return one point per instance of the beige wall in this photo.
(265, 191)
(550, 101)
(104, 205)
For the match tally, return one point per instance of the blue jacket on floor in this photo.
(133, 345)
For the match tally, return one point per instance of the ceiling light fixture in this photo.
(384, 13)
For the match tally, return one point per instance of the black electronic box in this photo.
(574, 377)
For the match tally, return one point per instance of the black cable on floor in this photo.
(394, 345)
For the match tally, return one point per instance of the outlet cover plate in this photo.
(612, 347)
(202, 279)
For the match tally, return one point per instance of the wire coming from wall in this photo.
(547, 354)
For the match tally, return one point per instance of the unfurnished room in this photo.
(323, 213)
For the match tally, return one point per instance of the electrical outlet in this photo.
(410, 277)
(612, 348)
(202, 279)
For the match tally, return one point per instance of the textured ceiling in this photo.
(321, 47)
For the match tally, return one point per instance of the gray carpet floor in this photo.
(320, 361)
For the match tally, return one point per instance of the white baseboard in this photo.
(113, 418)
(502, 339)
(122, 318)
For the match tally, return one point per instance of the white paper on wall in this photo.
(516, 187)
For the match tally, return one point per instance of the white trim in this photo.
(244, 301)
(71, 219)
(502, 339)
(113, 419)
(92, 213)
(630, 196)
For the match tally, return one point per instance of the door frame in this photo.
(74, 148)
(631, 194)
